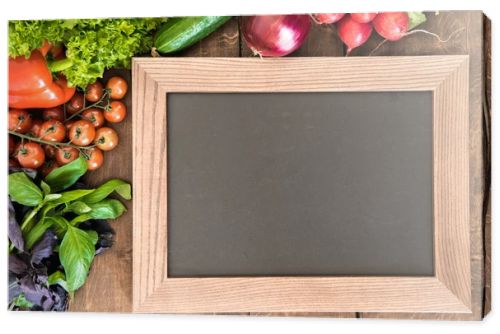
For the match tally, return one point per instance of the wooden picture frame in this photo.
(448, 291)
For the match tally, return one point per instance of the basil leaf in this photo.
(58, 277)
(93, 235)
(36, 232)
(72, 195)
(415, 18)
(65, 176)
(44, 248)
(122, 188)
(23, 191)
(76, 254)
(78, 207)
(107, 209)
(81, 218)
(51, 197)
(59, 225)
(14, 232)
(45, 187)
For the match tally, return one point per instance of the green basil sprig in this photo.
(62, 212)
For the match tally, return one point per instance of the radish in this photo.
(353, 33)
(327, 18)
(392, 26)
(363, 17)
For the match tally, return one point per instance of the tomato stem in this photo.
(97, 104)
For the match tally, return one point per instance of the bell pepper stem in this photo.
(59, 65)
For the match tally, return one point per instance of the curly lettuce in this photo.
(92, 45)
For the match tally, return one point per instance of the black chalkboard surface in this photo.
(294, 184)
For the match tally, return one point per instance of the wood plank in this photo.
(467, 30)
(109, 285)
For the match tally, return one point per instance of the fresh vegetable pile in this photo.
(55, 230)
(91, 45)
(47, 138)
(280, 35)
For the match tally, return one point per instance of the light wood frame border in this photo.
(448, 291)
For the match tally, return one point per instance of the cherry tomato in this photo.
(95, 116)
(12, 144)
(106, 139)
(66, 154)
(31, 155)
(115, 112)
(48, 167)
(94, 92)
(68, 125)
(94, 158)
(76, 104)
(118, 87)
(82, 133)
(50, 151)
(19, 120)
(13, 163)
(36, 125)
(56, 113)
(52, 131)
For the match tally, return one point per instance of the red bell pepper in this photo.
(31, 84)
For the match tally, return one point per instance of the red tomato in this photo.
(94, 92)
(94, 158)
(50, 151)
(56, 113)
(68, 125)
(82, 133)
(19, 120)
(66, 154)
(31, 155)
(52, 131)
(76, 104)
(106, 139)
(95, 116)
(115, 112)
(36, 125)
(118, 87)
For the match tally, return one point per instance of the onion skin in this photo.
(275, 35)
(363, 17)
(327, 18)
(392, 26)
(353, 33)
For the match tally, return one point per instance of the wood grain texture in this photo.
(466, 31)
(448, 291)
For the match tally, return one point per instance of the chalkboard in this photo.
(300, 184)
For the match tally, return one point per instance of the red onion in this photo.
(363, 17)
(275, 35)
(327, 18)
(392, 26)
(353, 33)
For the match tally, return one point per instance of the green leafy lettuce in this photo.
(92, 45)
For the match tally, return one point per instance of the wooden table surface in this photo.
(109, 286)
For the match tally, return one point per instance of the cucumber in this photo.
(180, 32)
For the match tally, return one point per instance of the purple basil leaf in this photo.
(16, 265)
(43, 248)
(14, 287)
(15, 234)
(37, 292)
(32, 173)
